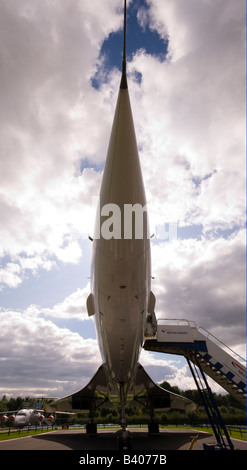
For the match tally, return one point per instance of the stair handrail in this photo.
(192, 322)
(178, 320)
(221, 342)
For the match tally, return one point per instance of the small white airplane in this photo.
(121, 300)
(26, 417)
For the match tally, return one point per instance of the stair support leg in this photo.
(211, 409)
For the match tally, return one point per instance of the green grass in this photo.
(16, 434)
(233, 433)
(5, 435)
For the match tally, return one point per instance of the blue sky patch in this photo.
(138, 37)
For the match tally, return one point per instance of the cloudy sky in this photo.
(59, 77)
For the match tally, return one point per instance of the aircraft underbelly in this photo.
(121, 252)
(121, 294)
(121, 347)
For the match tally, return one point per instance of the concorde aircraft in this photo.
(121, 301)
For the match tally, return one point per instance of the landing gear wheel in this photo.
(91, 429)
(124, 443)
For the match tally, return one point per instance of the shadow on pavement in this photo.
(140, 440)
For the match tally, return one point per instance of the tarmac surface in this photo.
(106, 439)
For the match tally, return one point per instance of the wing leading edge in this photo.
(143, 393)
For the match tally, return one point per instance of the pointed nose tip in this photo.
(124, 84)
(122, 180)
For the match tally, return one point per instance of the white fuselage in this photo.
(121, 266)
(26, 417)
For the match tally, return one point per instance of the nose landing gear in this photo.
(124, 441)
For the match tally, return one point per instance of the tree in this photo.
(3, 403)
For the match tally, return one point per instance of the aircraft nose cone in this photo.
(122, 179)
(20, 421)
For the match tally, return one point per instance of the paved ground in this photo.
(107, 440)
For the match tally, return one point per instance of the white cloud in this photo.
(73, 306)
(174, 371)
(189, 115)
(51, 119)
(10, 275)
(43, 227)
(204, 281)
(40, 358)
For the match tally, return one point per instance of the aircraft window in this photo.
(20, 413)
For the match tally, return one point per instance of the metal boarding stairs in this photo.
(206, 356)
